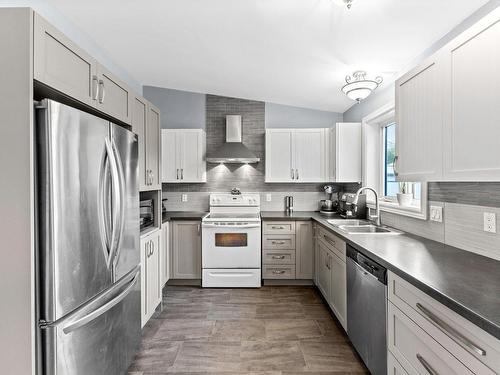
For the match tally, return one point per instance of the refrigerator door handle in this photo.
(101, 310)
(121, 192)
(102, 207)
(87, 318)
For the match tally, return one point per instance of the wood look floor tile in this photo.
(185, 329)
(317, 311)
(185, 311)
(330, 356)
(208, 357)
(280, 311)
(231, 311)
(156, 355)
(238, 330)
(271, 355)
(292, 329)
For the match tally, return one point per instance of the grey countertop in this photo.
(466, 282)
(182, 215)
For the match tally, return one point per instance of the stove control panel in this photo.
(233, 200)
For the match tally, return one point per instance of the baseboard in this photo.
(184, 282)
(287, 282)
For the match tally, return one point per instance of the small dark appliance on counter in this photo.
(329, 205)
(348, 210)
(288, 203)
(146, 213)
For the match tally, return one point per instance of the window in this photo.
(379, 151)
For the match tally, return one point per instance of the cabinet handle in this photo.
(279, 272)
(147, 249)
(450, 331)
(95, 87)
(152, 247)
(426, 365)
(278, 242)
(182, 173)
(102, 91)
(199, 228)
(278, 257)
(151, 176)
(330, 241)
(394, 165)
(296, 174)
(177, 174)
(277, 227)
(293, 175)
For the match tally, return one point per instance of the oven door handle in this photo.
(242, 226)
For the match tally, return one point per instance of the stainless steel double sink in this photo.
(354, 226)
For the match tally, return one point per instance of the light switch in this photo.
(184, 197)
(489, 222)
(437, 214)
(268, 197)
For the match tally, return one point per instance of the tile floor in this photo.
(267, 331)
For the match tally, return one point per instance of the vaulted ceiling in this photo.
(294, 52)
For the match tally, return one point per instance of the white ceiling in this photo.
(294, 52)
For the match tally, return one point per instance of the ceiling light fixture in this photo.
(348, 3)
(358, 87)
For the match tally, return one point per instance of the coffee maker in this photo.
(348, 210)
(329, 206)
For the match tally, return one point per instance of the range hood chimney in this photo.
(233, 151)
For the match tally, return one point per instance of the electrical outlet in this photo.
(268, 197)
(184, 197)
(489, 222)
(437, 213)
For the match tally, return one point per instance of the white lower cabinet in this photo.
(425, 336)
(150, 274)
(330, 273)
(393, 366)
(186, 250)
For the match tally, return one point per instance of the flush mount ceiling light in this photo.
(358, 87)
(347, 3)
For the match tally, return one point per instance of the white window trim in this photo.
(379, 118)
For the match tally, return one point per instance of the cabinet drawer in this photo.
(278, 256)
(418, 352)
(279, 227)
(278, 271)
(276, 241)
(460, 337)
(333, 242)
(394, 367)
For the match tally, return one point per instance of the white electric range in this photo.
(231, 242)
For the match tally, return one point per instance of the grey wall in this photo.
(285, 116)
(179, 109)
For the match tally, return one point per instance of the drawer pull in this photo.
(330, 241)
(450, 331)
(279, 272)
(278, 242)
(426, 365)
(278, 257)
(277, 227)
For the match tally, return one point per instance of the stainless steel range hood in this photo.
(233, 151)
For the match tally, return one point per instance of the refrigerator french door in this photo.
(88, 242)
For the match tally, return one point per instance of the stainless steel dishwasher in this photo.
(367, 310)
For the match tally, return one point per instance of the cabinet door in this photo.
(62, 65)
(304, 250)
(192, 165)
(153, 273)
(279, 167)
(309, 156)
(165, 253)
(339, 289)
(471, 148)
(324, 274)
(186, 250)
(153, 147)
(139, 120)
(170, 150)
(345, 152)
(114, 97)
(420, 119)
(144, 247)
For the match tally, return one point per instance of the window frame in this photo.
(373, 125)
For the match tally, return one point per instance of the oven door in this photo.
(231, 245)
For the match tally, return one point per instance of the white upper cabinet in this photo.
(183, 155)
(146, 124)
(447, 110)
(344, 148)
(61, 64)
(296, 155)
(472, 142)
(419, 118)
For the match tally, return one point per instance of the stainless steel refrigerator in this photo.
(88, 242)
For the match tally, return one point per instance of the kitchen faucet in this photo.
(374, 218)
